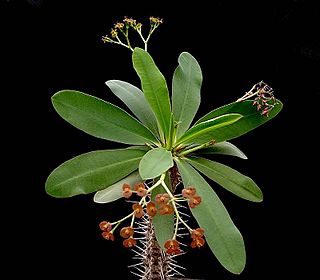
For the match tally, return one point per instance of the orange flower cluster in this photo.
(151, 209)
(106, 228)
(139, 189)
(190, 194)
(172, 246)
(163, 202)
(127, 233)
(197, 238)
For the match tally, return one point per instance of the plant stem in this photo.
(205, 145)
(124, 218)
(159, 182)
(176, 212)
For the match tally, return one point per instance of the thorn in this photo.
(133, 265)
(136, 274)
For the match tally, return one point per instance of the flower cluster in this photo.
(163, 204)
(190, 194)
(264, 99)
(123, 29)
(107, 232)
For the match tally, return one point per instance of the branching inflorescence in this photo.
(123, 28)
(164, 204)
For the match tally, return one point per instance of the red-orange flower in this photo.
(130, 242)
(138, 210)
(196, 233)
(126, 232)
(172, 247)
(188, 192)
(140, 189)
(105, 226)
(151, 209)
(126, 190)
(194, 201)
(197, 242)
(108, 235)
(162, 198)
(166, 209)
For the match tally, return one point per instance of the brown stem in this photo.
(155, 262)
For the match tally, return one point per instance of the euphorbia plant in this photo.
(161, 171)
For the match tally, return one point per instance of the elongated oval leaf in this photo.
(228, 178)
(114, 192)
(135, 101)
(92, 171)
(186, 86)
(222, 236)
(223, 148)
(154, 163)
(206, 131)
(163, 224)
(154, 87)
(99, 118)
(251, 119)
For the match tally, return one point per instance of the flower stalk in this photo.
(124, 27)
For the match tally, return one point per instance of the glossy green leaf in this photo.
(228, 178)
(154, 87)
(223, 148)
(99, 118)
(251, 119)
(154, 163)
(92, 171)
(163, 224)
(206, 131)
(114, 192)
(222, 236)
(135, 101)
(186, 86)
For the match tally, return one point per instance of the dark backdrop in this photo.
(52, 45)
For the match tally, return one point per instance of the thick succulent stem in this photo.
(153, 263)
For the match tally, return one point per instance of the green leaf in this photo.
(223, 148)
(135, 101)
(99, 118)
(114, 192)
(154, 87)
(228, 178)
(206, 131)
(154, 163)
(251, 119)
(92, 171)
(222, 236)
(163, 224)
(186, 85)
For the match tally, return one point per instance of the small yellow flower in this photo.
(114, 33)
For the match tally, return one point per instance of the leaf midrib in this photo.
(187, 90)
(221, 174)
(208, 206)
(162, 114)
(97, 170)
(94, 117)
(203, 131)
(148, 117)
(221, 235)
(243, 118)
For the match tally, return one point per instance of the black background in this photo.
(52, 45)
